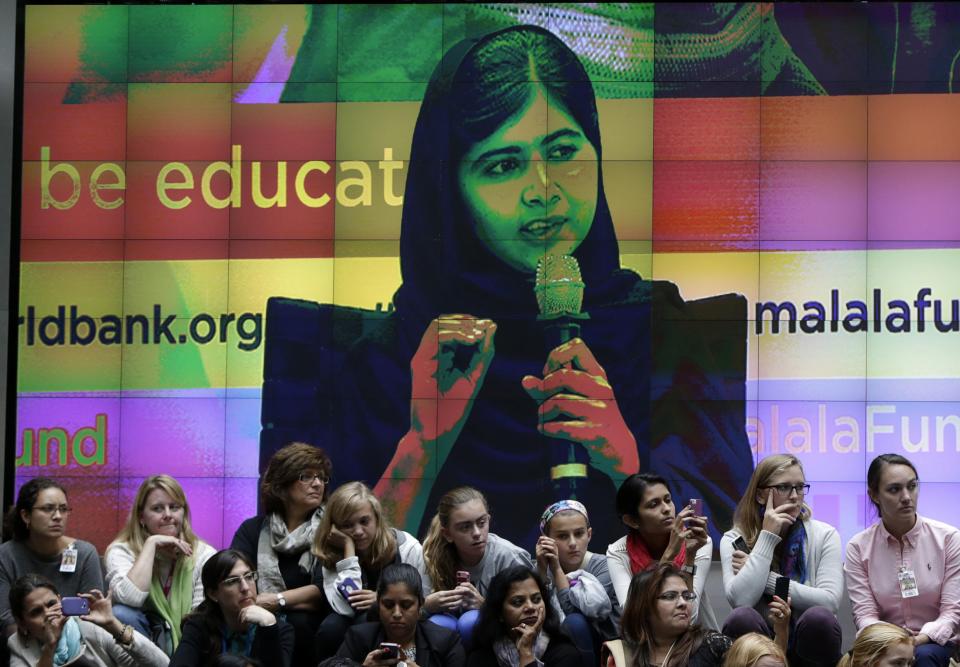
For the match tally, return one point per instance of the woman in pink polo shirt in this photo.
(905, 568)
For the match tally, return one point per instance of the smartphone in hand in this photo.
(782, 588)
(74, 606)
(740, 544)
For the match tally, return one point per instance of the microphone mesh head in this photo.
(559, 287)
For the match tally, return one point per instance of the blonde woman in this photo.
(352, 546)
(880, 645)
(755, 650)
(154, 564)
(778, 537)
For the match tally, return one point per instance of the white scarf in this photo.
(276, 539)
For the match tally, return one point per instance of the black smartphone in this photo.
(390, 650)
(782, 588)
(740, 544)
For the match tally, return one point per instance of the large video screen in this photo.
(231, 237)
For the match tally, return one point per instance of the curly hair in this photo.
(284, 469)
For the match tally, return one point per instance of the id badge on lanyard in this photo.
(908, 582)
(68, 559)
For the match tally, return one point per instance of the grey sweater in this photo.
(17, 560)
(498, 556)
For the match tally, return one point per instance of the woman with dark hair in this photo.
(905, 568)
(505, 170)
(518, 626)
(293, 491)
(657, 534)
(40, 545)
(399, 600)
(229, 620)
(774, 536)
(45, 636)
(657, 627)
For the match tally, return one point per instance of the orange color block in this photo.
(814, 128)
(914, 127)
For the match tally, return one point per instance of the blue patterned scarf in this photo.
(793, 561)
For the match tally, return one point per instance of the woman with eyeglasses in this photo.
(292, 491)
(774, 536)
(47, 637)
(40, 545)
(353, 545)
(154, 564)
(229, 620)
(657, 629)
(905, 568)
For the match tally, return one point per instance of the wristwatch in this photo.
(689, 569)
(282, 601)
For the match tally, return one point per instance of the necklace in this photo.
(410, 654)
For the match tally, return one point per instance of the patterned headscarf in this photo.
(561, 506)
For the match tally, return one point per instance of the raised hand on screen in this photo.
(575, 389)
(447, 371)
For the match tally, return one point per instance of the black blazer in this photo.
(560, 653)
(272, 645)
(436, 646)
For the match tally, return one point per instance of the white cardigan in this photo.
(618, 563)
(119, 560)
(823, 586)
(410, 551)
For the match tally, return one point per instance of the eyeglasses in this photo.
(234, 582)
(53, 509)
(785, 489)
(671, 596)
(311, 477)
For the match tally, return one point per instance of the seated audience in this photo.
(353, 545)
(154, 565)
(399, 600)
(905, 568)
(782, 539)
(580, 580)
(40, 545)
(657, 626)
(462, 557)
(48, 638)
(657, 534)
(517, 625)
(293, 490)
(880, 645)
(755, 650)
(229, 620)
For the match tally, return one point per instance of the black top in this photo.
(436, 646)
(560, 653)
(246, 539)
(711, 652)
(272, 645)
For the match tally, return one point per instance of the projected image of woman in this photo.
(505, 169)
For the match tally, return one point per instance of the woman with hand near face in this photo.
(657, 626)
(353, 545)
(905, 568)
(783, 540)
(657, 534)
(155, 562)
(460, 541)
(229, 620)
(292, 491)
(45, 637)
(399, 600)
(518, 627)
(40, 545)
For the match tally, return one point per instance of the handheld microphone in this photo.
(559, 291)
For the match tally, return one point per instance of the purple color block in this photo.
(841, 505)
(926, 433)
(239, 503)
(183, 437)
(914, 201)
(813, 201)
(70, 413)
(242, 454)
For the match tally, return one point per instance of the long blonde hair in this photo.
(747, 518)
(872, 642)
(441, 555)
(133, 533)
(346, 500)
(749, 648)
